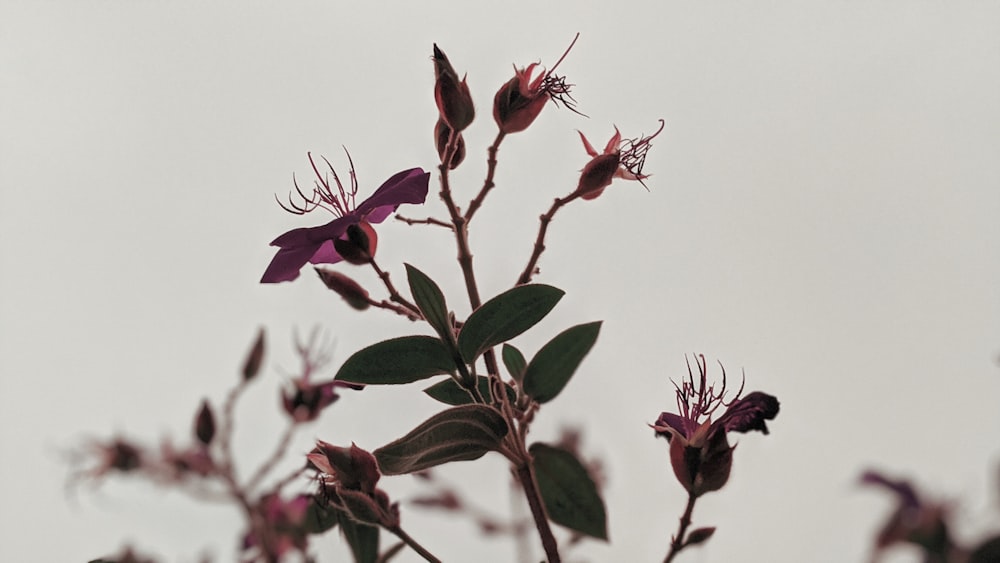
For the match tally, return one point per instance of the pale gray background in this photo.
(823, 214)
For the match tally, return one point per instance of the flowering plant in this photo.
(490, 390)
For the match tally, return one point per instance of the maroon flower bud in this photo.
(620, 159)
(441, 135)
(518, 102)
(358, 245)
(453, 99)
(353, 468)
(204, 424)
(254, 359)
(307, 400)
(355, 295)
(698, 536)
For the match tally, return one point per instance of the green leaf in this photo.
(430, 300)
(450, 392)
(399, 360)
(457, 434)
(504, 317)
(320, 517)
(362, 539)
(514, 360)
(570, 495)
(552, 367)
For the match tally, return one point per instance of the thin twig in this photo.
(543, 227)
(271, 462)
(527, 479)
(488, 184)
(427, 221)
(393, 293)
(677, 542)
(413, 544)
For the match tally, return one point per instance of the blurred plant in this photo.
(925, 524)
(487, 409)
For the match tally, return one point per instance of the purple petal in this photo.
(408, 186)
(287, 262)
(750, 412)
(676, 422)
(907, 495)
(311, 236)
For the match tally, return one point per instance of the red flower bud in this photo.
(355, 295)
(353, 468)
(256, 356)
(453, 99)
(204, 424)
(441, 135)
(359, 245)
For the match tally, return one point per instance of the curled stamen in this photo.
(633, 153)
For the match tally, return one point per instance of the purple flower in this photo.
(700, 453)
(914, 521)
(319, 244)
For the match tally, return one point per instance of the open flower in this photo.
(914, 521)
(352, 226)
(700, 453)
(620, 159)
(519, 101)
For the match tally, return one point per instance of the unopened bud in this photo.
(254, 359)
(453, 99)
(353, 467)
(359, 246)
(204, 424)
(441, 135)
(352, 292)
(700, 535)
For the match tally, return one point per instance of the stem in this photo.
(393, 293)
(427, 221)
(677, 542)
(461, 232)
(491, 166)
(267, 466)
(543, 227)
(413, 544)
(527, 479)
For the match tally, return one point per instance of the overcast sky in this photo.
(822, 215)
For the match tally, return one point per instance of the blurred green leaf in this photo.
(514, 360)
(504, 317)
(430, 300)
(571, 497)
(362, 539)
(552, 367)
(320, 518)
(450, 392)
(399, 360)
(457, 434)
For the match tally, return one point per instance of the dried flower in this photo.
(700, 453)
(318, 245)
(519, 101)
(620, 159)
(279, 526)
(306, 400)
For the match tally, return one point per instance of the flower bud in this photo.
(204, 424)
(256, 356)
(597, 175)
(359, 246)
(700, 535)
(352, 292)
(518, 102)
(441, 135)
(453, 99)
(353, 467)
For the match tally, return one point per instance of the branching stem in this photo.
(543, 227)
